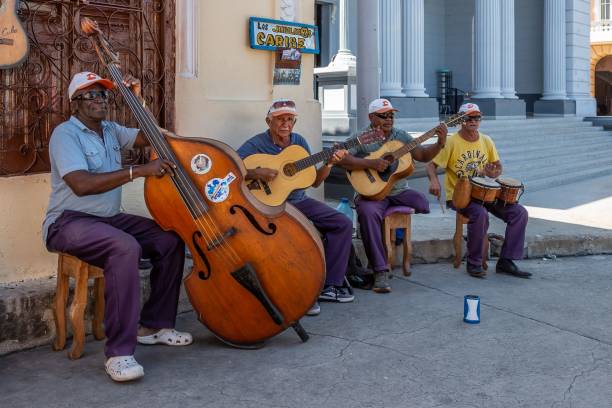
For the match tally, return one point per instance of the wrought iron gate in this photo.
(33, 96)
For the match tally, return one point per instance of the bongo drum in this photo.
(511, 190)
(484, 190)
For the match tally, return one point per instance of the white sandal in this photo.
(169, 337)
(123, 368)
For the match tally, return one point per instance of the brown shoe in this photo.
(381, 282)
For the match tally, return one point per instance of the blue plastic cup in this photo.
(471, 309)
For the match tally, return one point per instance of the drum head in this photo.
(509, 181)
(485, 182)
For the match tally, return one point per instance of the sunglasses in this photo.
(91, 95)
(388, 115)
(474, 118)
(283, 104)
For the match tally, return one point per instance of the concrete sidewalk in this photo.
(544, 342)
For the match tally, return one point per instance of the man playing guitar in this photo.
(370, 213)
(471, 153)
(336, 228)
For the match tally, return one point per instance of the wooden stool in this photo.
(461, 220)
(69, 266)
(398, 217)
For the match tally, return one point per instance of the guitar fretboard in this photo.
(324, 155)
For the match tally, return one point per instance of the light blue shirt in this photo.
(75, 147)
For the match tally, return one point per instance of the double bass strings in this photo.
(182, 184)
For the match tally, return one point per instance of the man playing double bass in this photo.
(469, 153)
(335, 227)
(84, 220)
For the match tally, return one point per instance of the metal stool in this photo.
(398, 217)
(70, 266)
(461, 220)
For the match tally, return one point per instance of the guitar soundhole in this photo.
(289, 169)
(385, 175)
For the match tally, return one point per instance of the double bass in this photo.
(256, 269)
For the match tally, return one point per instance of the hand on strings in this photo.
(158, 168)
(337, 156)
(265, 174)
(442, 132)
(133, 83)
(379, 164)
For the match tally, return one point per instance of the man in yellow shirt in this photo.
(471, 153)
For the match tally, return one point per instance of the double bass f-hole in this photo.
(204, 275)
(253, 221)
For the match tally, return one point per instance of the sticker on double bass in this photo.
(201, 164)
(217, 190)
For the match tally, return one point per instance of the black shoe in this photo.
(475, 270)
(505, 265)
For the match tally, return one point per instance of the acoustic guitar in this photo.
(13, 38)
(295, 168)
(376, 185)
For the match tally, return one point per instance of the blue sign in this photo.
(267, 34)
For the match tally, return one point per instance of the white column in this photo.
(187, 44)
(344, 57)
(368, 81)
(413, 55)
(391, 47)
(554, 50)
(507, 49)
(487, 64)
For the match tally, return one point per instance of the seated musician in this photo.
(84, 220)
(335, 227)
(468, 153)
(369, 212)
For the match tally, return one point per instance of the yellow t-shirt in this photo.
(462, 158)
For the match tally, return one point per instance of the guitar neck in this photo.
(324, 155)
(411, 145)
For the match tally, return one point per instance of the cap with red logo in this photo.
(469, 108)
(282, 107)
(83, 80)
(380, 106)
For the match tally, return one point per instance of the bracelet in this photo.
(329, 165)
(131, 173)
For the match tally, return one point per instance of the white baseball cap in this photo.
(469, 108)
(380, 106)
(282, 107)
(83, 80)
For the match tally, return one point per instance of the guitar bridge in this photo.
(7, 41)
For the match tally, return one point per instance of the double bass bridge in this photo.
(220, 239)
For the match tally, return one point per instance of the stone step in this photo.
(543, 148)
(551, 155)
(568, 177)
(561, 172)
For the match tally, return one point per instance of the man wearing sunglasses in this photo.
(84, 220)
(370, 213)
(470, 153)
(335, 227)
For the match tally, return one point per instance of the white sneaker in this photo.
(314, 310)
(123, 368)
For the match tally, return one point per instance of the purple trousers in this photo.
(370, 216)
(515, 216)
(337, 232)
(116, 244)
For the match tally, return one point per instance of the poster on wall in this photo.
(267, 34)
(287, 67)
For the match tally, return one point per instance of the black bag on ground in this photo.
(358, 276)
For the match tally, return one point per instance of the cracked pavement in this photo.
(544, 342)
